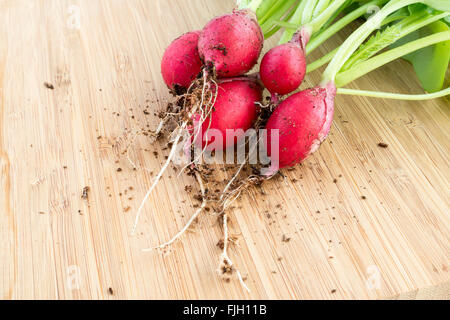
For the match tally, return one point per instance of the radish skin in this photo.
(231, 43)
(304, 121)
(181, 62)
(235, 109)
(283, 68)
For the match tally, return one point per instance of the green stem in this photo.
(329, 32)
(304, 17)
(308, 11)
(365, 67)
(276, 15)
(263, 8)
(272, 8)
(396, 96)
(275, 28)
(326, 14)
(286, 25)
(358, 36)
(335, 15)
(321, 5)
(320, 62)
(327, 58)
(295, 19)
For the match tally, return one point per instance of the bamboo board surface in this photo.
(104, 67)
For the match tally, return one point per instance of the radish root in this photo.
(226, 266)
(197, 105)
(166, 245)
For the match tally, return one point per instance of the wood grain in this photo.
(105, 72)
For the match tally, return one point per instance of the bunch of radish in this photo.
(208, 71)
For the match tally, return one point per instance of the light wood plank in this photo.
(53, 143)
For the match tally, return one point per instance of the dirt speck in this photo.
(48, 85)
(85, 193)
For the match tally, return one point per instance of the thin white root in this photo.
(191, 220)
(225, 190)
(232, 179)
(229, 200)
(160, 126)
(175, 142)
(161, 172)
(206, 113)
(169, 158)
(225, 261)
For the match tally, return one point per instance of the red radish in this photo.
(283, 68)
(181, 62)
(303, 120)
(234, 110)
(231, 43)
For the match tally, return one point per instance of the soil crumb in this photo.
(85, 193)
(49, 85)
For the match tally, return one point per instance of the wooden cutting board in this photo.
(102, 58)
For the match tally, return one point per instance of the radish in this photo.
(303, 120)
(231, 43)
(234, 110)
(283, 68)
(181, 62)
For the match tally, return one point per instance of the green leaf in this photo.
(430, 63)
(377, 42)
